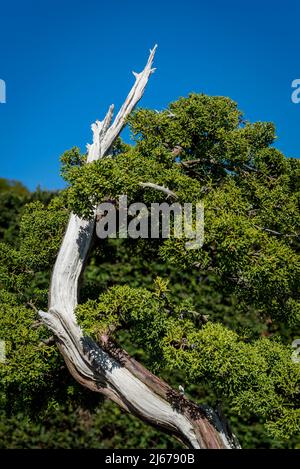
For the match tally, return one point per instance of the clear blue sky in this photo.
(65, 61)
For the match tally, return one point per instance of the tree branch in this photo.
(276, 233)
(167, 191)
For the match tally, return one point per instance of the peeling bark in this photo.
(103, 367)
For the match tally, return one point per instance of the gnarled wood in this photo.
(102, 367)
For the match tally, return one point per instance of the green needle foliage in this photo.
(220, 320)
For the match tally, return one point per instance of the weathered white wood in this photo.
(152, 185)
(89, 363)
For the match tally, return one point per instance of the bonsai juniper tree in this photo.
(198, 149)
(124, 381)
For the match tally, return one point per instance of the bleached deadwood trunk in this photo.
(102, 367)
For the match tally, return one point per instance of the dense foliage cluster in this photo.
(219, 320)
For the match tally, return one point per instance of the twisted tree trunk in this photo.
(102, 367)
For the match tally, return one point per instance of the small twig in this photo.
(246, 166)
(32, 306)
(36, 324)
(177, 150)
(49, 341)
(191, 162)
(276, 233)
(167, 191)
(258, 171)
